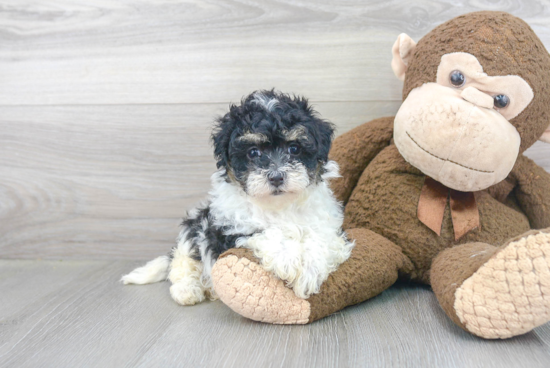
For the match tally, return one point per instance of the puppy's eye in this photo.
(254, 152)
(457, 78)
(294, 149)
(501, 101)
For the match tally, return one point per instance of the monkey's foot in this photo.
(509, 295)
(244, 286)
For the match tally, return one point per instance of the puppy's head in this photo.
(272, 144)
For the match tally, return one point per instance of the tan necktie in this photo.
(432, 203)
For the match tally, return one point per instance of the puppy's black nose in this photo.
(276, 180)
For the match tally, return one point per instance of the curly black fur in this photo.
(205, 237)
(288, 113)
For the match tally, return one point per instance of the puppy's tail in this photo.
(154, 271)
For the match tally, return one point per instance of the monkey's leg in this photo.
(243, 285)
(496, 292)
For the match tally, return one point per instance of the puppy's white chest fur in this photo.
(315, 207)
(296, 236)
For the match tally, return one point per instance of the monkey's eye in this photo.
(254, 152)
(294, 149)
(457, 78)
(501, 101)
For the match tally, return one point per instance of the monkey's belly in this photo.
(385, 201)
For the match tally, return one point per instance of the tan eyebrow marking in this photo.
(296, 133)
(253, 138)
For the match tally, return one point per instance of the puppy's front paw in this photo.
(309, 282)
(185, 293)
(285, 265)
(302, 275)
(278, 254)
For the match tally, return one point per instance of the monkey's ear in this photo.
(402, 51)
(546, 135)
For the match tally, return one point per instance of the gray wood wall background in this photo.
(106, 106)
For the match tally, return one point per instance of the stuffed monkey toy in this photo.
(441, 193)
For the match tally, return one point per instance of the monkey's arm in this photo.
(355, 149)
(533, 191)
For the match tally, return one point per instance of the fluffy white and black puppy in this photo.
(270, 194)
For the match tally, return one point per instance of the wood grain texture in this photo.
(76, 314)
(194, 51)
(111, 181)
(106, 106)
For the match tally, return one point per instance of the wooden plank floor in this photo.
(77, 314)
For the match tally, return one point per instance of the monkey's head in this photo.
(476, 94)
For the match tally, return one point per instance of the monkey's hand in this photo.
(532, 191)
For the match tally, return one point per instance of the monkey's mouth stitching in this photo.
(444, 159)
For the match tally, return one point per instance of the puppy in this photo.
(270, 195)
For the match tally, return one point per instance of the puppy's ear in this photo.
(324, 133)
(221, 139)
(321, 130)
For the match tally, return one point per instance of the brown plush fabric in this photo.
(374, 265)
(355, 149)
(382, 190)
(385, 201)
(532, 185)
(504, 45)
(452, 267)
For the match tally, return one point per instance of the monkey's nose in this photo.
(475, 96)
(276, 180)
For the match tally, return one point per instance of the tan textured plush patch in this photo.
(252, 292)
(510, 294)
